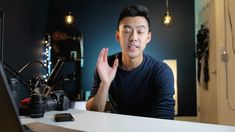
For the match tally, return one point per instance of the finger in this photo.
(105, 54)
(115, 64)
(100, 57)
(101, 54)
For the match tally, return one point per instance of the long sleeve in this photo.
(163, 104)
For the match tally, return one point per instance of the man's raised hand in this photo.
(106, 72)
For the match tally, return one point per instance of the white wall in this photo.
(213, 102)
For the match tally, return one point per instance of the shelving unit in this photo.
(68, 48)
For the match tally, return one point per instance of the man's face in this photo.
(133, 36)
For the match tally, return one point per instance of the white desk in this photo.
(107, 122)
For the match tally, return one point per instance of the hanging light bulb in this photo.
(167, 19)
(69, 19)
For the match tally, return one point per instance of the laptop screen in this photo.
(9, 120)
(1, 35)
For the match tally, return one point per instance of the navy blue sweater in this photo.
(144, 91)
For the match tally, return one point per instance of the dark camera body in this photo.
(55, 101)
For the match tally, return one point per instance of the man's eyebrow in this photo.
(126, 26)
(140, 26)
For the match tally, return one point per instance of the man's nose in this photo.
(133, 36)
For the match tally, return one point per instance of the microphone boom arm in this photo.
(52, 78)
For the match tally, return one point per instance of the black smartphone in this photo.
(63, 117)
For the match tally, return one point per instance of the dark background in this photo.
(27, 21)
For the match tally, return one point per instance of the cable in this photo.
(226, 9)
(29, 63)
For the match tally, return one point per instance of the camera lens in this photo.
(36, 106)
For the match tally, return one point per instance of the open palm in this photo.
(106, 72)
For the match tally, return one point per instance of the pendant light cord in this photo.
(166, 5)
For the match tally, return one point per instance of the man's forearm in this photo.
(98, 102)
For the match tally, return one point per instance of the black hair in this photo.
(134, 10)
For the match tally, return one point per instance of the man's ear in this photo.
(149, 37)
(117, 35)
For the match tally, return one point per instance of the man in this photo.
(135, 83)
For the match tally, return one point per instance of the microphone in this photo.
(52, 78)
(16, 74)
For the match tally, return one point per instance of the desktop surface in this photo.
(107, 122)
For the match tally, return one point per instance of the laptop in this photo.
(1, 35)
(9, 116)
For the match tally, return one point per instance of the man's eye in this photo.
(140, 31)
(127, 31)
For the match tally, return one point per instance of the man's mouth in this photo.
(133, 46)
